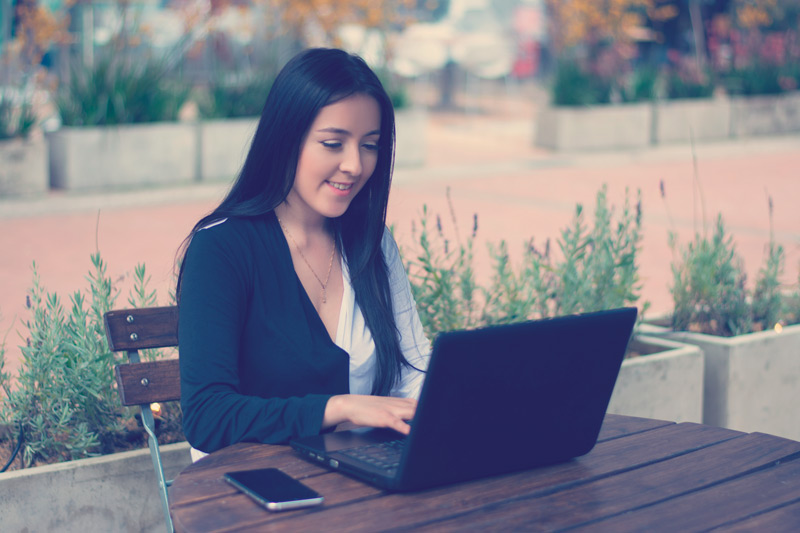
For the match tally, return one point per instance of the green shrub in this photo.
(710, 293)
(16, 118)
(678, 86)
(442, 279)
(235, 97)
(64, 404)
(768, 302)
(642, 87)
(792, 303)
(119, 91)
(759, 78)
(397, 90)
(709, 286)
(573, 86)
(596, 269)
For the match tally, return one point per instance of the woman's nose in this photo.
(351, 161)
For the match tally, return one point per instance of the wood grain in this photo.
(724, 503)
(144, 383)
(139, 329)
(353, 506)
(784, 519)
(616, 426)
(636, 488)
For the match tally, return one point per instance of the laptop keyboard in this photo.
(385, 455)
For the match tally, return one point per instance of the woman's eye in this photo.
(371, 146)
(332, 144)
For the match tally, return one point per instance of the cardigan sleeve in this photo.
(214, 296)
(414, 344)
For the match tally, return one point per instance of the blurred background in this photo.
(697, 103)
(202, 51)
(553, 156)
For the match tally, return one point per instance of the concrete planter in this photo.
(23, 167)
(752, 382)
(223, 147)
(123, 156)
(765, 115)
(607, 127)
(411, 126)
(665, 382)
(701, 119)
(110, 493)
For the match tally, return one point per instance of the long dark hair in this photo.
(310, 81)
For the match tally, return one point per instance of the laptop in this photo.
(495, 400)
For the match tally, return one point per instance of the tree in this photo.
(325, 17)
(593, 22)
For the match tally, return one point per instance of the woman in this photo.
(295, 311)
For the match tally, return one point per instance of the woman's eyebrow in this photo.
(341, 131)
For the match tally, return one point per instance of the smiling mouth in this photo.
(340, 186)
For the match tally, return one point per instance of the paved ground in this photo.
(491, 168)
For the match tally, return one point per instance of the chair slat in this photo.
(142, 383)
(138, 329)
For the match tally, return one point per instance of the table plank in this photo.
(785, 519)
(204, 483)
(408, 510)
(238, 511)
(632, 489)
(201, 482)
(616, 426)
(721, 504)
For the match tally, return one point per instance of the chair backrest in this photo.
(141, 384)
(139, 329)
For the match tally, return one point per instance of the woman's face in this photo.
(337, 157)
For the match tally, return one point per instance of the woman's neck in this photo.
(302, 226)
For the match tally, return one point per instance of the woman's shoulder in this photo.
(230, 232)
(235, 224)
(389, 247)
(228, 226)
(213, 224)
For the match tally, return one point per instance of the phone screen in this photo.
(274, 489)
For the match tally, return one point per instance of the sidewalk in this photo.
(487, 161)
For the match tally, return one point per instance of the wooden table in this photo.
(643, 475)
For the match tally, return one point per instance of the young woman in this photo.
(295, 310)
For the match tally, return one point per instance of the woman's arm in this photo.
(215, 292)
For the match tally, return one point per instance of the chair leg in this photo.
(152, 442)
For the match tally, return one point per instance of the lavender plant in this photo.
(709, 286)
(793, 303)
(710, 293)
(64, 404)
(442, 279)
(596, 269)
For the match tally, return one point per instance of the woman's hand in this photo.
(373, 411)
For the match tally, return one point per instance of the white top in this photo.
(353, 336)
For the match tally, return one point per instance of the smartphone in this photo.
(273, 489)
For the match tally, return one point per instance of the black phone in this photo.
(273, 489)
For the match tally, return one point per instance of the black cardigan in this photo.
(257, 363)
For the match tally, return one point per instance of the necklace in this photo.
(303, 257)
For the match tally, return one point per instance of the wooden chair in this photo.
(143, 383)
